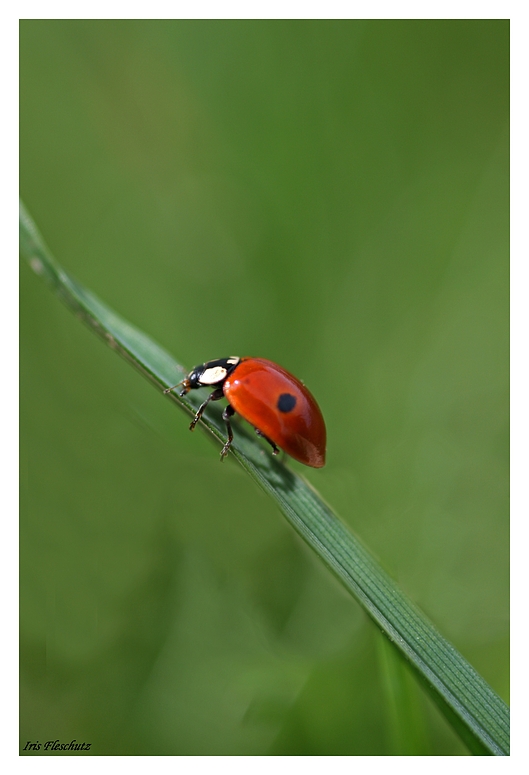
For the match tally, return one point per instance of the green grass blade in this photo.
(473, 709)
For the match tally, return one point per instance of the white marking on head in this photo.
(213, 375)
(233, 360)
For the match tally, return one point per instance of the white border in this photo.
(519, 351)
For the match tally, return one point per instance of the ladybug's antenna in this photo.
(168, 390)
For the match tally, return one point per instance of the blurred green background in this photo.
(332, 195)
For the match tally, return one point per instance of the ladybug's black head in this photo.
(210, 373)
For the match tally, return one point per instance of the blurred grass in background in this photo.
(332, 195)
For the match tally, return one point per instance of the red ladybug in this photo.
(278, 405)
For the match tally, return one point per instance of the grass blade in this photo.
(473, 709)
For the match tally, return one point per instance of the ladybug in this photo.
(278, 405)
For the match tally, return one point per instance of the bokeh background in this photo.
(332, 195)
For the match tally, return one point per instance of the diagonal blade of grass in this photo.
(473, 709)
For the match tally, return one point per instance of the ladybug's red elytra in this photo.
(278, 405)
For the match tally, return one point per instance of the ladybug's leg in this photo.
(215, 396)
(261, 434)
(226, 414)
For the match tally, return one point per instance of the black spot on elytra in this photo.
(286, 402)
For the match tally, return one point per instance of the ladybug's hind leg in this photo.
(226, 414)
(261, 434)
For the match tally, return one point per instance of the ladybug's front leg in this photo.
(215, 396)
